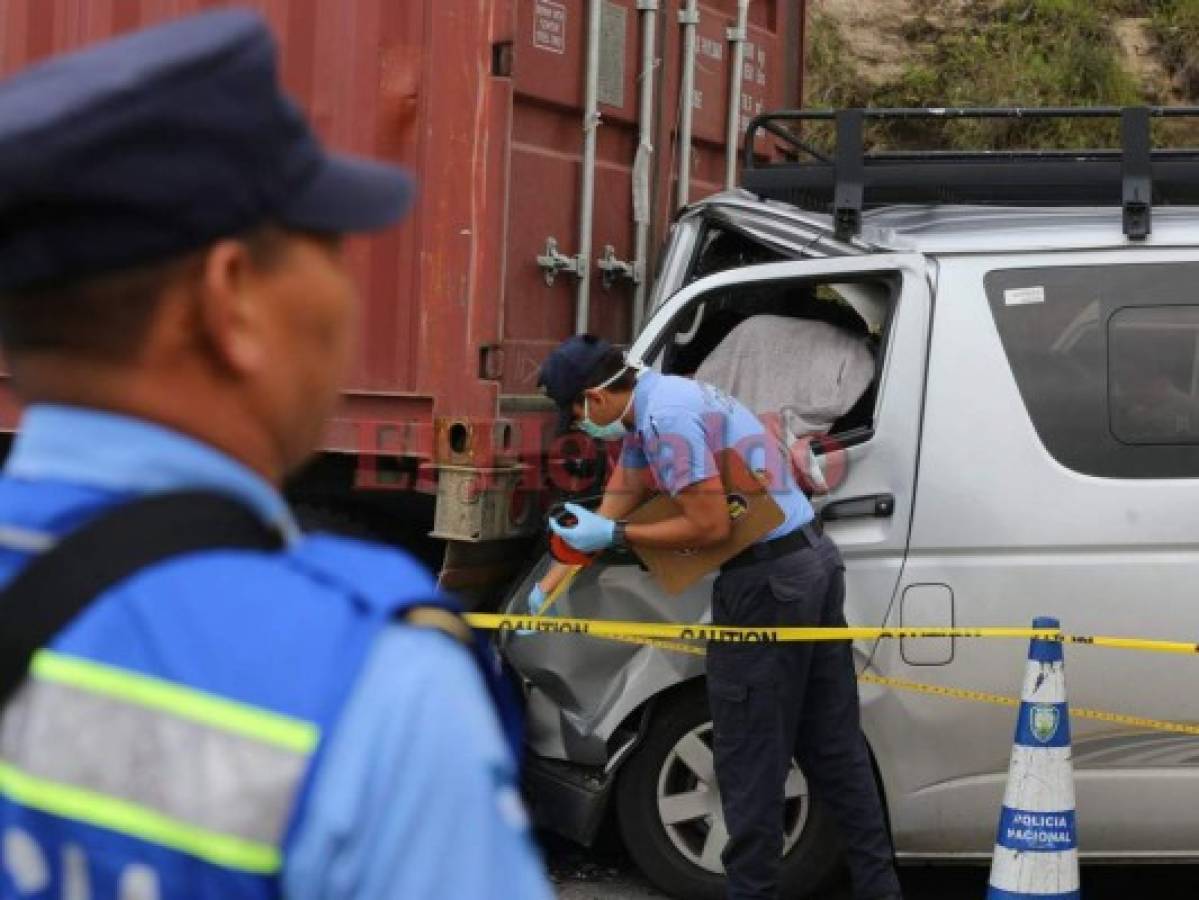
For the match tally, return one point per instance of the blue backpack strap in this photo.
(394, 587)
(60, 583)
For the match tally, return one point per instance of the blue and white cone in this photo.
(1036, 850)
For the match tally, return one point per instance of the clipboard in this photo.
(754, 514)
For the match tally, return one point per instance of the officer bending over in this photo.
(767, 700)
(253, 720)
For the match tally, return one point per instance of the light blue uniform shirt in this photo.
(410, 801)
(679, 425)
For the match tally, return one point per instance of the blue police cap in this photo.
(161, 141)
(567, 371)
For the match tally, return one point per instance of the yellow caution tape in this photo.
(1123, 643)
(603, 628)
(954, 693)
(1001, 700)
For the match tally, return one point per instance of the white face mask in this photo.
(614, 430)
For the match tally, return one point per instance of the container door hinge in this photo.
(553, 262)
(613, 268)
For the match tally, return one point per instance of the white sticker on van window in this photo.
(1022, 296)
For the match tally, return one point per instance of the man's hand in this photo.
(590, 534)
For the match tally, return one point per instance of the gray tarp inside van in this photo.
(809, 372)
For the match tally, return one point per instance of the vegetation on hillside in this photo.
(1012, 53)
(1175, 25)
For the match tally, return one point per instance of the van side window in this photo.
(1106, 359)
(1153, 372)
(804, 353)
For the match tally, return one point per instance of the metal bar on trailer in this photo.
(642, 166)
(689, 20)
(591, 121)
(737, 37)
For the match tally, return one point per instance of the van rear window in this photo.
(1107, 361)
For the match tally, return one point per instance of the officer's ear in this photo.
(230, 317)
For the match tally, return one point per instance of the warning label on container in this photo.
(754, 71)
(549, 26)
(711, 48)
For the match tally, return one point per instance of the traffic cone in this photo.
(1036, 850)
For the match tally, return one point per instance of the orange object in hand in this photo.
(568, 555)
(562, 551)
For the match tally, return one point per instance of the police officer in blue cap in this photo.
(201, 701)
(769, 702)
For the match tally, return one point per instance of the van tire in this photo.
(806, 867)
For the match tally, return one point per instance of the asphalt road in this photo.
(607, 874)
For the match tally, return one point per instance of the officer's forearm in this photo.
(677, 533)
(624, 492)
(702, 522)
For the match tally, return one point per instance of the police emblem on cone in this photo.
(1036, 849)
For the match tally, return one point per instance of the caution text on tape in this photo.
(937, 690)
(673, 631)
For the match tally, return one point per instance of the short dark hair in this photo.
(106, 317)
(609, 365)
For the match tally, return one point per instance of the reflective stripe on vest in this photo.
(154, 760)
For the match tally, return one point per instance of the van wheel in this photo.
(668, 805)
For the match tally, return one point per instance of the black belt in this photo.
(801, 537)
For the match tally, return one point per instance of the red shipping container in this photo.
(484, 100)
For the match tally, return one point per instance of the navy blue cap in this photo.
(161, 141)
(567, 371)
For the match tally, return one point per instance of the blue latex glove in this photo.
(591, 534)
(537, 601)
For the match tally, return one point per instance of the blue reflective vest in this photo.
(164, 742)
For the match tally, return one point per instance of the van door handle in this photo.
(873, 506)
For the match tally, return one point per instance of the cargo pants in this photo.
(770, 699)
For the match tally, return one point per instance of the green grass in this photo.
(1014, 53)
(1175, 24)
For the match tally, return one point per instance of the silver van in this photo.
(1027, 444)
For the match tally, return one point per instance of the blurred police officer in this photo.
(176, 313)
(768, 701)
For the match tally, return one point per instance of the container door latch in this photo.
(553, 262)
(612, 268)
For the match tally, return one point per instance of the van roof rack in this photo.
(1135, 176)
